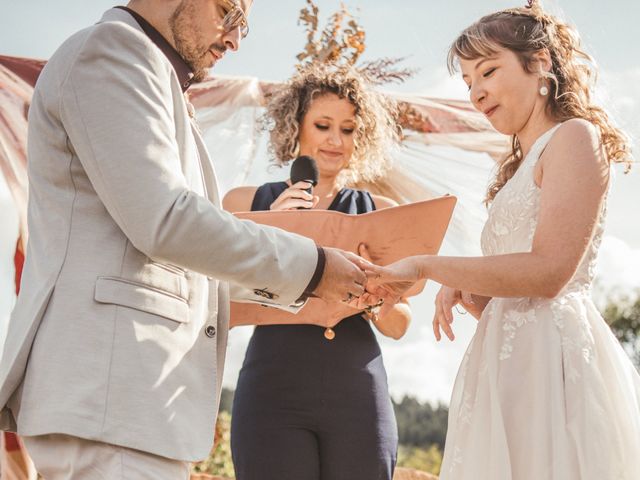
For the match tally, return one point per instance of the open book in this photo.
(389, 234)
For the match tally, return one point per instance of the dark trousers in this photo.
(309, 409)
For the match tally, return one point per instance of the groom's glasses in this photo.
(234, 17)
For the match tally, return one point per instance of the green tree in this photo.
(425, 460)
(226, 400)
(219, 461)
(624, 318)
(421, 424)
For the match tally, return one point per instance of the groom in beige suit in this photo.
(115, 350)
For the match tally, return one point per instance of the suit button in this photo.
(210, 331)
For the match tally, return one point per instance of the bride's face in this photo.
(503, 91)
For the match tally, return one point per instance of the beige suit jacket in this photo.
(119, 332)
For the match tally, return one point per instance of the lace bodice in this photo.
(513, 218)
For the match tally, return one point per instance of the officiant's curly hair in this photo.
(377, 128)
(573, 74)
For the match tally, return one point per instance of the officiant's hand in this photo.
(364, 252)
(294, 197)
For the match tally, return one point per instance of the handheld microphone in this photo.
(304, 169)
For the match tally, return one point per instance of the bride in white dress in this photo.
(544, 391)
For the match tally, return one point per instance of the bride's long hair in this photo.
(573, 74)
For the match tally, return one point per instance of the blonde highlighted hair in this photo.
(377, 129)
(572, 78)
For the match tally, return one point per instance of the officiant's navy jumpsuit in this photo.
(308, 408)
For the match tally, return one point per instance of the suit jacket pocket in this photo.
(119, 291)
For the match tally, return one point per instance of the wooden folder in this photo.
(390, 235)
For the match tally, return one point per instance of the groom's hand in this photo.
(342, 280)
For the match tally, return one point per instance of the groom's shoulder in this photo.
(110, 36)
(109, 44)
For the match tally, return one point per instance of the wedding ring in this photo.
(460, 312)
(370, 309)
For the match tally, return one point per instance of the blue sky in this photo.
(422, 31)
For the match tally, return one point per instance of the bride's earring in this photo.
(544, 90)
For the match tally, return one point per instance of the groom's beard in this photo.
(185, 34)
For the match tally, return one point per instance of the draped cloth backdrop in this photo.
(448, 148)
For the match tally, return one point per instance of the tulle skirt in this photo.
(544, 392)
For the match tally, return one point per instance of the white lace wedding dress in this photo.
(545, 391)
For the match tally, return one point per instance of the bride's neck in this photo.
(532, 131)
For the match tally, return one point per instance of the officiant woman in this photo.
(313, 403)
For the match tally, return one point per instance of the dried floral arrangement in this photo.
(342, 42)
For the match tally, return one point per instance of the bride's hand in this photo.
(394, 280)
(446, 300)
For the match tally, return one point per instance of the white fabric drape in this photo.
(447, 149)
(427, 164)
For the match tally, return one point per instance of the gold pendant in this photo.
(329, 334)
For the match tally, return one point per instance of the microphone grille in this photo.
(304, 168)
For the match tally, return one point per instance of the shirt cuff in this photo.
(317, 275)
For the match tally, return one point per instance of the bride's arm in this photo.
(575, 176)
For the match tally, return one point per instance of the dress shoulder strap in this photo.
(540, 144)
